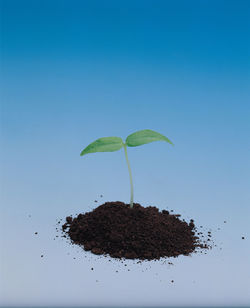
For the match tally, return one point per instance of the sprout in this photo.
(112, 144)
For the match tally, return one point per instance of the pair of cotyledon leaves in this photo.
(111, 144)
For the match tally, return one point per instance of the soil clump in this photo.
(144, 233)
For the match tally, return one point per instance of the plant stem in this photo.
(130, 177)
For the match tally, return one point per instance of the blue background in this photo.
(74, 71)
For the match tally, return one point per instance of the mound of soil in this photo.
(115, 229)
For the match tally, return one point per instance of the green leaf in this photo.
(145, 136)
(105, 144)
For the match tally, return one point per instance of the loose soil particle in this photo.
(115, 229)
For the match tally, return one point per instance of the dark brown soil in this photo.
(115, 229)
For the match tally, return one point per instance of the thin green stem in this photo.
(130, 177)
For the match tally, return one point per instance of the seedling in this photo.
(112, 144)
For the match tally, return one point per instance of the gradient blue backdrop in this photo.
(74, 71)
